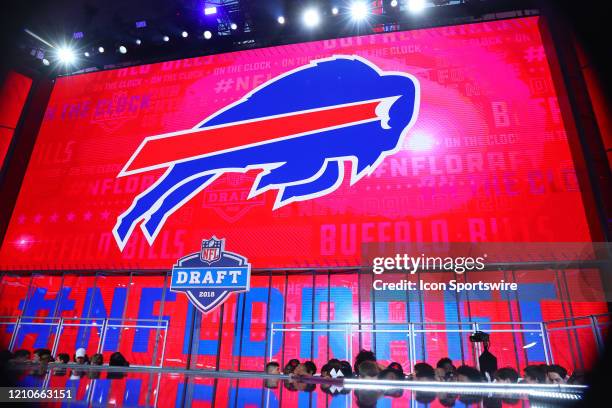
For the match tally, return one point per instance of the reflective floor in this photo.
(151, 388)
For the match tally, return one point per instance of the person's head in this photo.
(367, 398)
(506, 375)
(63, 358)
(394, 371)
(534, 374)
(446, 364)
(272, 368)
(424, 372)
(368, 370)
(21, 355)
(346, 369)
(97, 359)
(468, 374)
(578, 377)
(117, 359)
(310, 367)
(80, 356)
(291, 366)
(555, 374)
(363, 355)
(43, 356)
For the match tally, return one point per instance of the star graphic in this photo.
(105, 214)
(53, 217)
(87, 216)
(38, 218)
(21, 219)
(70, 216)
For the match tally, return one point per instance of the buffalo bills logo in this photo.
(299, 129)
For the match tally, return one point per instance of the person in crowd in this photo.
(446, 364)
(578, 377)
(507, 375)
(368, 370)
(5, 357)
(363, 355)
(97, 359)
(291, 366)
(63, 358)
(325, 370)
(80, 356)
(534, 374)
(346, 368)
(394, 371)
(21, 356)
(468, 374)
(117, 360)
(308, 368)
(42, 356)
(272, 367)
(445, 370)
(555, 374)
(424, 372)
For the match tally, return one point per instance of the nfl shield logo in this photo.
(211, 250)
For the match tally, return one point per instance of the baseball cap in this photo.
(80, 352)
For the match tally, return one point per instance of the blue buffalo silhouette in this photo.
(299, 168)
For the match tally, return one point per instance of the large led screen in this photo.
(299, 154)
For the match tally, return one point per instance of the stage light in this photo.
(281, 20)
(101, 50)
(311, 18)
(184, 34)
(416, 6)
(207, 35)
(45, 61)
(86, 53)
(359, 11)
(233, 26)
(138, 41)
(122, 49)
(66, 55)
(209, 11)
(166, 38)
(335, 11)
(393, 3)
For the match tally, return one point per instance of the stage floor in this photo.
(157, 387)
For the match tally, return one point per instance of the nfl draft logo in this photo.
(208, 277)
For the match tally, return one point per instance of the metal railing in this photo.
(103, 325)
(595, 322)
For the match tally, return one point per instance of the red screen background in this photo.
(487, 159)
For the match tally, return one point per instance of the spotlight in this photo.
(416, 6)
(359, 11)
(66, 55)
(184, 34)
(233, 26)
(45, 62)
(86, 53)
(311, 18)
(207, 35)
(208, 11)
(166, 38)
(122, 49)
(335, 11)
(138, 41)
(393, 3)
(101, 50)
(281, 20)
